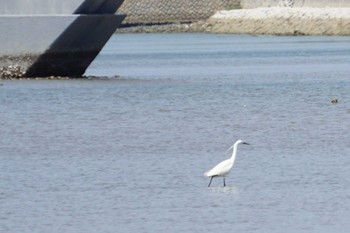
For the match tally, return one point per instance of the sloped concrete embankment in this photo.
(247, 4)
(281, 17)
(283, 21)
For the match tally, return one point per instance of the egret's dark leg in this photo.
(210, 180)
(224, 181)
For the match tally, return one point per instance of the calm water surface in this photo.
(128, 154)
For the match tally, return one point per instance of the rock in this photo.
(11, 72)
(334, 101)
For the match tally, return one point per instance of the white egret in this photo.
(224, 168)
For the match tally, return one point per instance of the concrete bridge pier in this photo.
(53, 37)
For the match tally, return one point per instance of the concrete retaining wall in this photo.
(295, 3)
(159, 11)
(283, 21)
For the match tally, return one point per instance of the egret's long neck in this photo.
(234, 152)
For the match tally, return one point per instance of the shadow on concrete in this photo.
(74, 50)
(79, 44)
(99, 7)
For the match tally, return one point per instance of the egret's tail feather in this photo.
(209, 173)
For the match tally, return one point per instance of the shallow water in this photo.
(128, 154)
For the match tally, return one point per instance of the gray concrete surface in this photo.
(54, 7)
(296, 3)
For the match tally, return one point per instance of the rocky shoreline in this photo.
(200, 26)
(265, 21)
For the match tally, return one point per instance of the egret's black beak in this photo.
(245, 143)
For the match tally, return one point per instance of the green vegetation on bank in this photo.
(235, 6)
